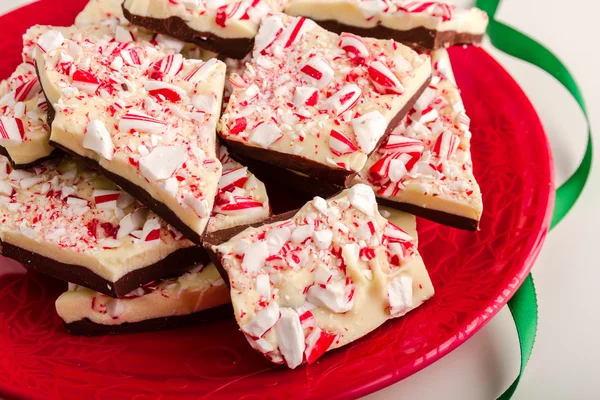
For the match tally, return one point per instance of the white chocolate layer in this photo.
(438, 16)
(280, 105)
(413, 171)
(337, 268)
(146, 116)
(228, 19)
(194, 291)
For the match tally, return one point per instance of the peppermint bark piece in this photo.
(144, 118)
(241, 199)
(223, 26)
(71, 223)
(330, 274)
(425, 25)
(319, 103)
(23, 130)
(425, 165)
(195, 296)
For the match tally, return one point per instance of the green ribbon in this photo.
(523, 305)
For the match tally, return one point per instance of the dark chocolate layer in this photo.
(85, 327)
(176, 262)
(316, 170)
(177, 28)
(419, 38)
(52, 156)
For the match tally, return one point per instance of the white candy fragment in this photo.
(268, 32)
(400, 295)
(291, 337)
(362, 197)
(263, 285)
(262, 321)
(203, 72)
(306, 96)
(266, 134)
(323, 238)
(301, 233)
(369, 128)
(162, 162)
(132, 222)
(333, 296)
(50, 41)
(199, 205)
(123, 35)
(276, 238)
(254, 257)
(151, 231)
(98, 139)
(115, 308)
(167, 42)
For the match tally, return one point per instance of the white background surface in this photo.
(565, 360)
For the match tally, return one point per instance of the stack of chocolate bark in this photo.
(126, 144)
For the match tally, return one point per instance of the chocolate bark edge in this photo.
(336, 176)
(419, 38)
(85, 327)
(176, 262)
(278, 176)
(222, 236)
(177, 28)
(56, 153)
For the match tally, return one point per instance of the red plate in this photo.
(474, 273)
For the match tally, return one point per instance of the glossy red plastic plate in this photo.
(474, 274)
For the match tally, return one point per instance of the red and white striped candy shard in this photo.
(140, 122)
(131, 56)
(201, 73)
(341, 144)
(106, 199)
(306, 96)
(239, 205)
(238, 81)
(295, 31)
(42, 104)
(336, 296)
(231, 11)
(28, 89)
(355, 47)
(250, 94)
(98, 139)
(446, 145)
(168, 66)
(266, 134)
(343, 100)
(464, 122)
(433, 8)
(233, 178)
(401, 144)
(164, 91)
(50, 40)
(395, 234)
(317, 72)
(427, 115)
(85, 81)
(12, 131)
(131, 222)
(383, 79)
(269, 31)
(318, 342)
(151, 231)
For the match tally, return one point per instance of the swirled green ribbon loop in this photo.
(523, 305)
